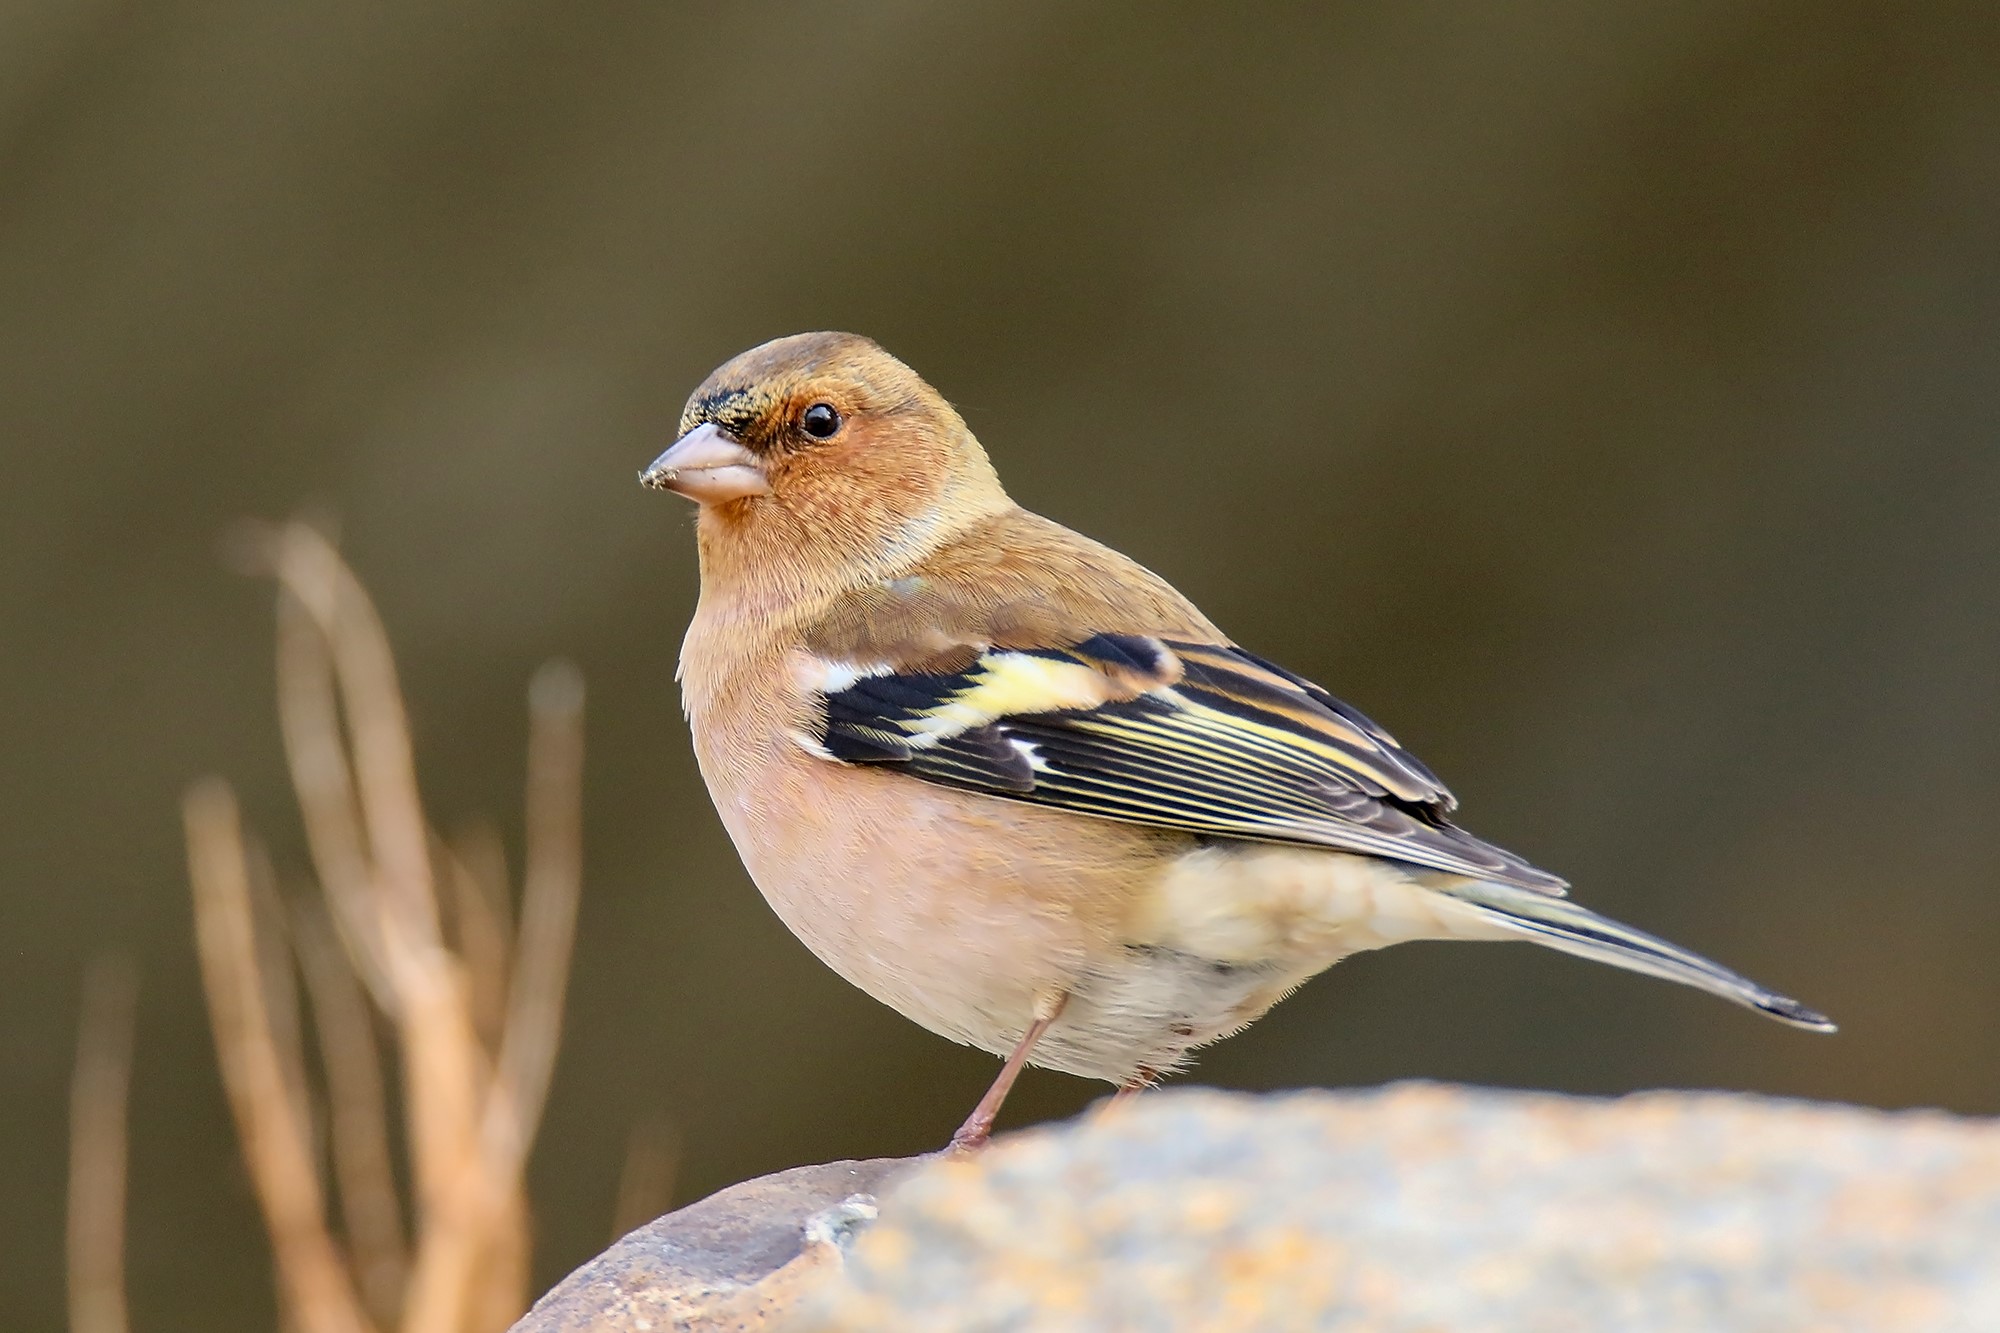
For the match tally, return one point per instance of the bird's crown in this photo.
(760, 396)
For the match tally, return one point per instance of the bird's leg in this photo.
(978, 1126)
(1144, 1077)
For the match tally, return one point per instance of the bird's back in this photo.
(1011, 579)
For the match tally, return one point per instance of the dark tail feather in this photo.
(1561, 924)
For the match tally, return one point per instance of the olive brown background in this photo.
(1604, 397)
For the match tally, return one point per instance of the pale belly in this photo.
(964, 912)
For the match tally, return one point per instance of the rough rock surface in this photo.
(1416, 1207)
(739, 1259)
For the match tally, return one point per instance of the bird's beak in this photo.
(707, 466)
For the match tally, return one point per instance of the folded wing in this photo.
(1195, 736)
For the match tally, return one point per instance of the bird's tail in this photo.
(1561, 924)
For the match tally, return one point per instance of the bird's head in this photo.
(822, 444)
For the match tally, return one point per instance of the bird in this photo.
(1013, 784)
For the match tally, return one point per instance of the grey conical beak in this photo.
(707, 466)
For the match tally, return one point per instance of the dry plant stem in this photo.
(477, 1011)
(482, 923)
(497, 1287)
(445, 1070)
(99, 1093)
(358, 1112)
(309, 718)
(446, 1259)
(646, 1181)
(480, 931)
(317, 1293)
(379, 733)
(553, 882)
(270, 929)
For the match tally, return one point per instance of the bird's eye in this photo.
(820, 421)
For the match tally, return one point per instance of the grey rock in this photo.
(1414, 1207)
(736, 1260)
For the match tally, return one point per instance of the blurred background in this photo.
(1603, 397)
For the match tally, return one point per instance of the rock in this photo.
(739, 1259)
(1413, 1207)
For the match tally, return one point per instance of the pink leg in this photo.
(978, 1126)
(1133, 1086)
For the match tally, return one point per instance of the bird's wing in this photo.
(1152, 730)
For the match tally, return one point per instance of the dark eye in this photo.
(820, 421)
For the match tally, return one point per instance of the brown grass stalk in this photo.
(646, 1181)
(99, 1095)
(323, 780)
(449, 1257)
(481, 922)
(413, 929)
(357, 1113)
(318, 1292)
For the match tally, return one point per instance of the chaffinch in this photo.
(1014, 785)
